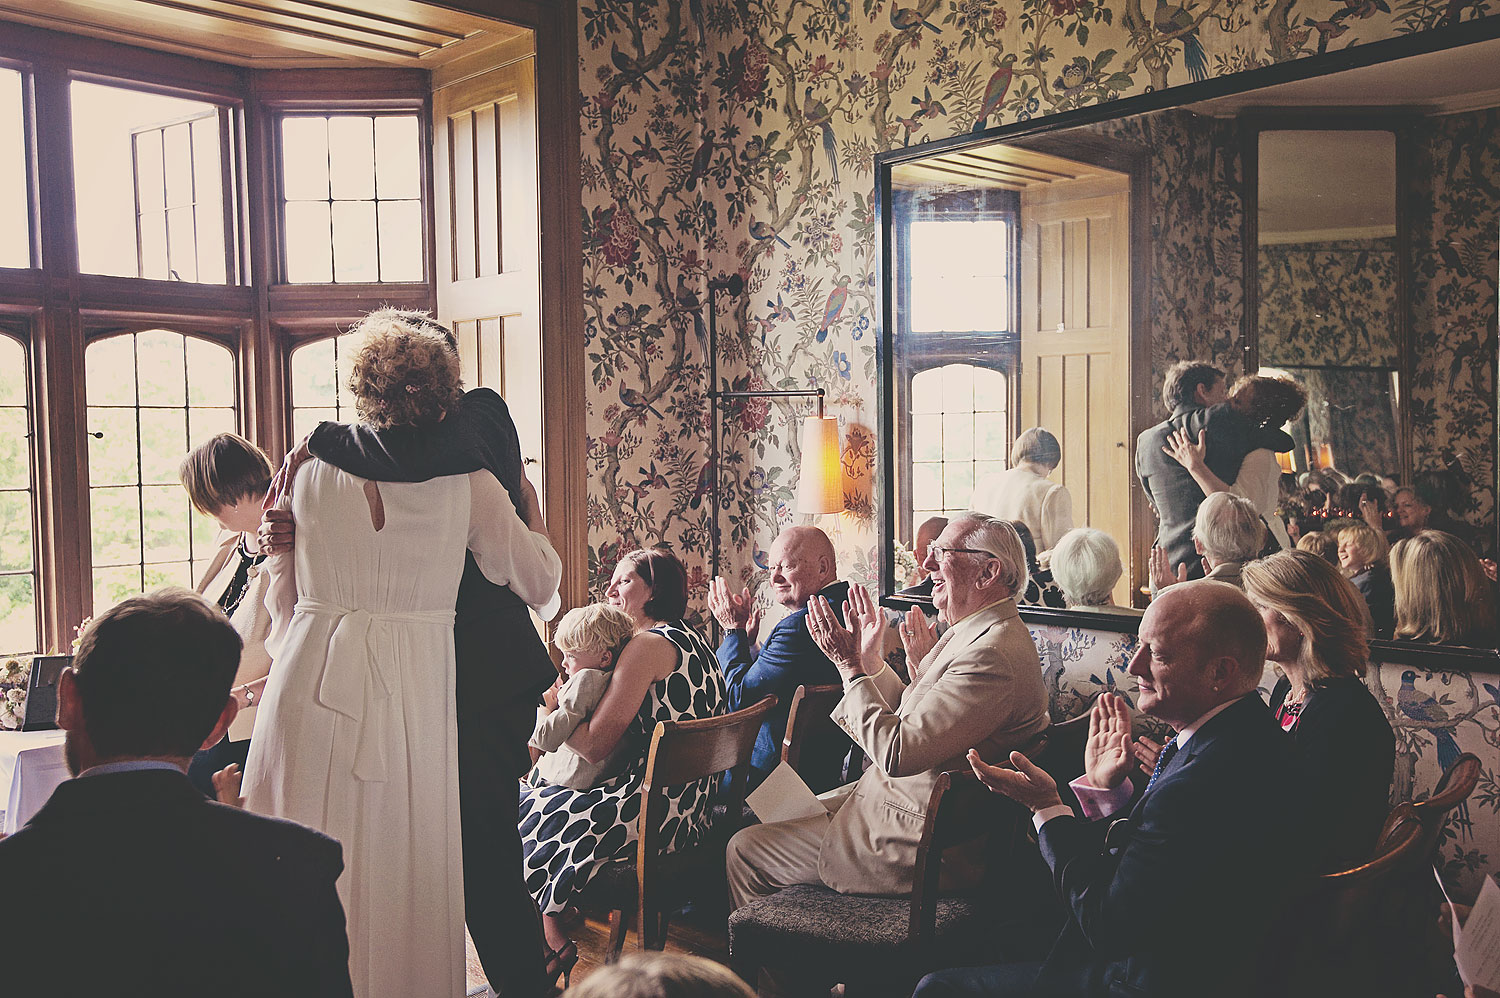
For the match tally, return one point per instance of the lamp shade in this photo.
(821, 486)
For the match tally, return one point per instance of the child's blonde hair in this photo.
(598, 627)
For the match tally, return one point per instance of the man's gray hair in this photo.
(1086, 565)
(1229, 528)
(997, 537)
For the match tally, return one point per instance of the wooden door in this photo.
(488, 247)
(1075, 345)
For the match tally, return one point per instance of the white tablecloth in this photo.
(31, 767)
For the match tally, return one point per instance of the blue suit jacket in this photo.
(788, 658)
(1177, 899)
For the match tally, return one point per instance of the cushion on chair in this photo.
(811, 928)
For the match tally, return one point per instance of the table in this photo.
(31, 767)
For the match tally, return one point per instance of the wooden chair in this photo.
(885, 944)
(656, 884)
(809, 718)
(1451, 791)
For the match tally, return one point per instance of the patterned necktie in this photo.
(1167, 752)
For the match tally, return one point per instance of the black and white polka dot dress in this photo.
(567, 834)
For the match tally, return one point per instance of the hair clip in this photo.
(412, 389)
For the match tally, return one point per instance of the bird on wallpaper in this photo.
(1170, 18)
(701, 160)
(629, 67)
(754, 149)
(904, 18)
(762, 559)
(761, 231)
(1493, 691)
(704, 486)
(687, 297)
(837, 298)
(1451, 258)
(780, 310)
(818, 115)
(695, 8)
(644, 152)
(911, 126)
(635, 400)
(927, 106)
(1419, 706)
(994, 92)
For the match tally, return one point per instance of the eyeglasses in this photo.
(939, 553)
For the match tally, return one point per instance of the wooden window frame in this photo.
(19, 332)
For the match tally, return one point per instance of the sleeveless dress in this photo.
(356, 734)
(568, 835)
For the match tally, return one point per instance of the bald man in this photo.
(803, 565)
(1178, 897)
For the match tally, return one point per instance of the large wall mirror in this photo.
(1340, 229)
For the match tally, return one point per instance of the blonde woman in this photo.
(357, 735)
(1362, 556)
(1318, 637)
(1442, 593)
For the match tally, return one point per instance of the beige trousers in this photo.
(763, 859)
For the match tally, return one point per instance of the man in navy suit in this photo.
(803, 565)
(1177, 898)
(128, 881)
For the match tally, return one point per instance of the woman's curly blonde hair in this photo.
(404, 372)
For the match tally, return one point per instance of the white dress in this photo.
(356, 734)
(1260, 481)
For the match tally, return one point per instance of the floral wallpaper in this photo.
(1436, 717)
(723, 138)
(1330, 303)
(1454, 208)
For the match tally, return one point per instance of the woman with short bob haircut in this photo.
(1317, 635)
(1362, 554)
(1442, 594)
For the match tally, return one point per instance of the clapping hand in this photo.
(1146, 752)
(918, 635)
(1162, 575)
(1108, 756)
(1180, 448)
(733, 612)
(1028, 784)
(854, 650)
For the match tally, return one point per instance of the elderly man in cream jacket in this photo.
(979, 686)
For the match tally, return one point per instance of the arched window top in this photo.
(960, 433)
(319, 386)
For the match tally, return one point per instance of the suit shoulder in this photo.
(278, 836)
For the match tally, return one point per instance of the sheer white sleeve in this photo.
(507, 553)
(1260, 480)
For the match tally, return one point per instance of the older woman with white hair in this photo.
(1025, 493)
(1228, 532)
(1086, 566)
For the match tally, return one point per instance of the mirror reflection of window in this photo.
(959, 436)
(960, 275)
(15, 239)
(18, 606)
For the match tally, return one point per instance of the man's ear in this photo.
(69, 704)
(226, 718)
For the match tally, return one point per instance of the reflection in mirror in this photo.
(1329, 293)
(1051, 277)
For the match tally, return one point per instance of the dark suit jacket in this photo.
(134, 884)
(1178, 900)
(502, 667)
(1380, 596)
(1346, 754)
(1171, 488)
(788, 658)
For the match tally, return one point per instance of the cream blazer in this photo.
(982, 688)
(251, 619)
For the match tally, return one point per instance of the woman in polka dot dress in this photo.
(666, 673)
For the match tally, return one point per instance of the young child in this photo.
(591, 639)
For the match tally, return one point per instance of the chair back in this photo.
(1452, 790)
(960, 810)
(810, 713)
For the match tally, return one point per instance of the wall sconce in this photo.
(820, 483)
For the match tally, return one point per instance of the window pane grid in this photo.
(145, 532)
(20, 623)
(959, 436)
(319, 389)
(350, 210)
(15, 213)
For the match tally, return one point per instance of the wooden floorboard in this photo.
(704, 936)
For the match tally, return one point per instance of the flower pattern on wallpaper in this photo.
(1455, 215)
(1328, 304)
(740, 138)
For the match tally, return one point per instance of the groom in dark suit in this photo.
(501, 666)
(128, 881)
(1176, 899)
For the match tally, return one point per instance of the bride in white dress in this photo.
(356, 735)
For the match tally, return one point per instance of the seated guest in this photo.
(1177, 897)
(803, 565)
(1362, 556)
(1024, 493)
(1041, 588)
(926, 534)
(1086, 565)
(1324, 545)
(1228, 532)
(1316, 635)
(1442, 593)
(226, 479)
(1424, 506)
(981, 684)
(590, 639)
(134, 883)
(1365, 502)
